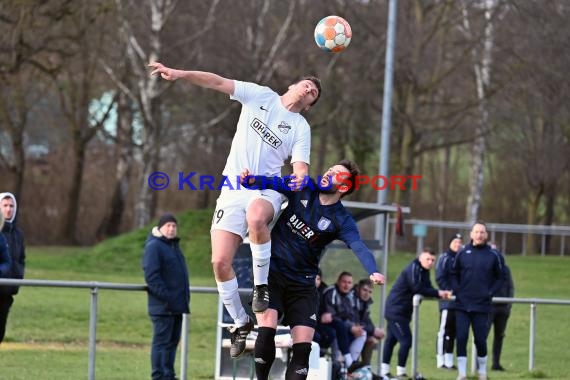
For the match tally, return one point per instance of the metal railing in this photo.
(95, 286)
(497, 232)
(532, 326)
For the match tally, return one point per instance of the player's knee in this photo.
(222, 268)
(257, 223)
(259, 215)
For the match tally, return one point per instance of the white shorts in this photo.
(232, 206)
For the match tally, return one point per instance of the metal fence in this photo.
(511, 238)
(95, 286)
(532, 327)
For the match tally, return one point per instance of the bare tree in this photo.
(24, 45)
(111, 222)
(482, 61)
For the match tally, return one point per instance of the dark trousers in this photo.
(166, 335)
(446, 333)
(499, 320)
(479, 322)
(6, 301)
(398, 332)
(336, 330)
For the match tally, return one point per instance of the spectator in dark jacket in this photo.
(166, 276)
(476, 276)
(414, 279)
(446, 333)
(339, 322)
(5, 260)
(500, 315)
(15, 241)
(362, 302)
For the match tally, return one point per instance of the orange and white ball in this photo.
(333, 34)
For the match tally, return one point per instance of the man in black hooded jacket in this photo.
(15, 239)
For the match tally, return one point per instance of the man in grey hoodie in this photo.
(15, 239)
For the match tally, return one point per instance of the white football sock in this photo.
(448, 360)
(260, 254)
(482, 362)
(229, 294)
(462, 366)
(356, 346)
(439, 360)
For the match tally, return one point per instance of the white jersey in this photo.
(267, 134)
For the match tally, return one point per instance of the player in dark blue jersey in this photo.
(313, 218)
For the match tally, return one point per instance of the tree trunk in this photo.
(146, 201)
(444, 184)
(532, 219)
(149, 101)
(549, 213)
(70, 221)
(20, 162)
(111, 223)
(322, 153)
(482, 68)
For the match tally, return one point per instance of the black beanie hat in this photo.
(455, 236)
(165, 219)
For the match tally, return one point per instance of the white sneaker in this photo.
(482, 376)
(461, 377)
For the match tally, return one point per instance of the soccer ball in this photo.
(363, 373)
(333, 34)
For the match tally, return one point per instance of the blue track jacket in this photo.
(476, 276)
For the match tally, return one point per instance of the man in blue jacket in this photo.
(398, 310)
(166, 276)
(476, 276)
(15, 244)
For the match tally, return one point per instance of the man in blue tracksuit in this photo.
(476, 276)
(414, 279)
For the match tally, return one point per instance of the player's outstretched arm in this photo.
(199, 78)
(300, 171)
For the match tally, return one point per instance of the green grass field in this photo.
(48, 328)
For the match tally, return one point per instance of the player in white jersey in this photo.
(269, 130)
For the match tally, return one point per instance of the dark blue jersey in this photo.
(305, 228)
